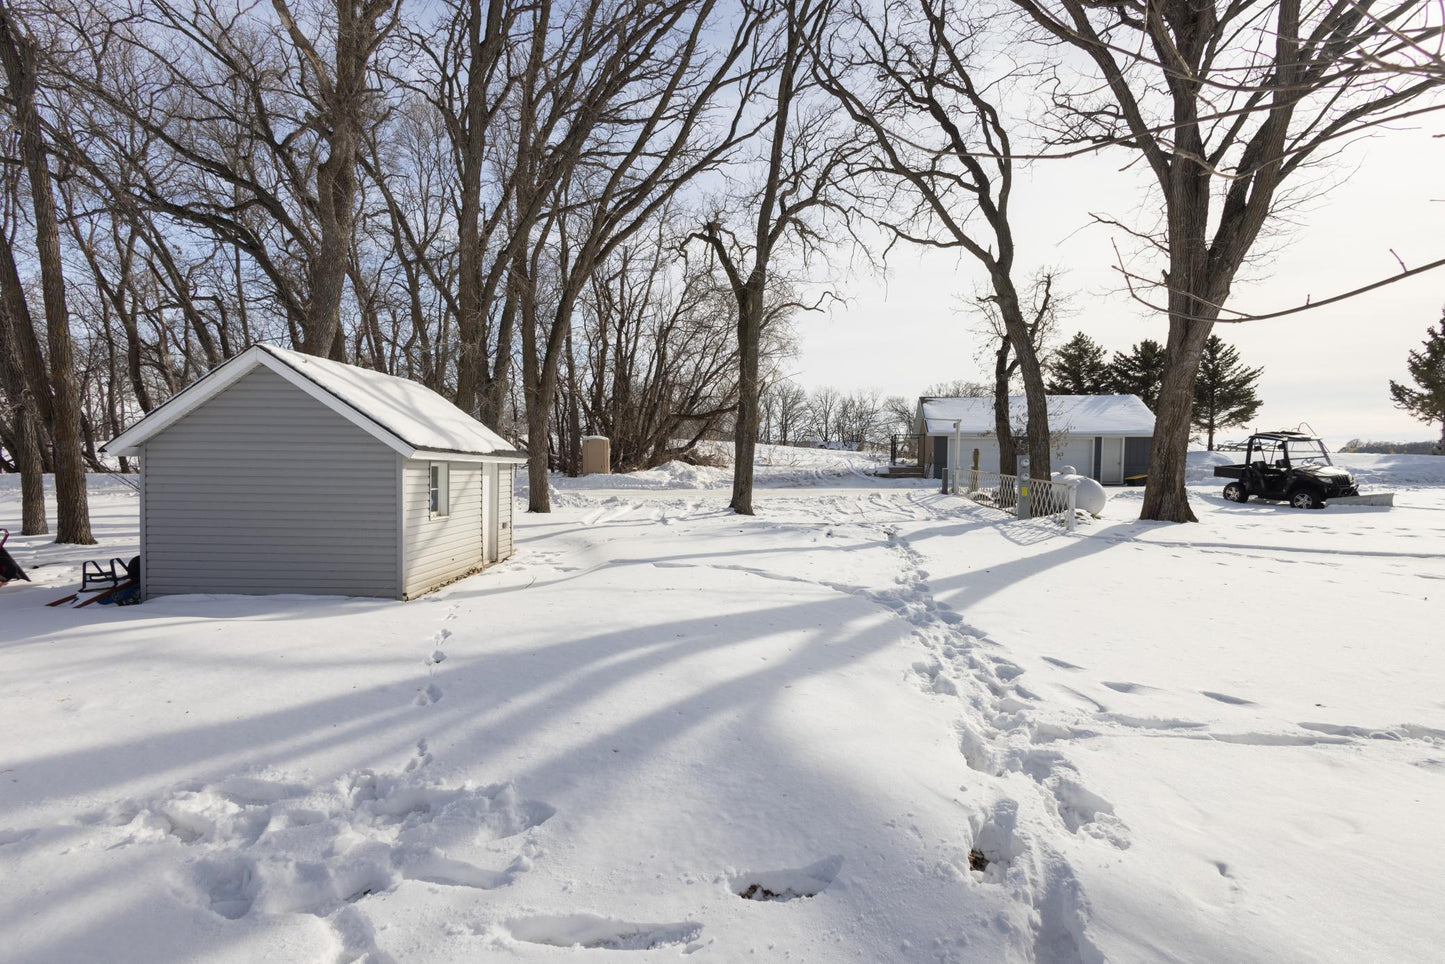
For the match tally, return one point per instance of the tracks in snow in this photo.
(1027, 792)
(1028, 786)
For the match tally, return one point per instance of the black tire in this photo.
(1306, 499)
(1235, 492)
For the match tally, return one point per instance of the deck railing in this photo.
(1041, 499)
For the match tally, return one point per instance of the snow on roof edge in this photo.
(405, 415)
(1068, 414)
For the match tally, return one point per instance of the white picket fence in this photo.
(1046, 500)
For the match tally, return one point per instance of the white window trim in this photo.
(441, 507)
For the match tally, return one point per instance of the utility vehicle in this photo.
(1287, 467)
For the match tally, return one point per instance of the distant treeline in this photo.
(1392, 448)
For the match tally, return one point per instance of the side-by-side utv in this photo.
(1291, 467)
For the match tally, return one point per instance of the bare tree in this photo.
(649, 136)
(823, 405)
(790, 410)
(860, 417)
(1042, 318)
(900, 413)
(1225, 107)
(805, 157)
(21, 63)
(908, 76)
(344, 98)
(959, 388)
(659, 372)
(486, 36)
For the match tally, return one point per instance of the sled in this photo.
(9, 568)
(108, 581)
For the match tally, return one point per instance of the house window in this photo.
(439, 489)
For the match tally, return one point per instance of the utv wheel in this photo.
(1235, 492)
(1307, 499)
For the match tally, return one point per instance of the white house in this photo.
(279, 472)
(1106, 437)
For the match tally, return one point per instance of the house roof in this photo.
(406, 416)
(1068, 415)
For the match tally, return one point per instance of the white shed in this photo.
(1105, 437)
(279, 472)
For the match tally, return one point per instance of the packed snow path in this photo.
(873, 723)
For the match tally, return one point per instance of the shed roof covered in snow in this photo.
(403, 414)
(1068, 415)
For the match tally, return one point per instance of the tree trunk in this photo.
(32, 478)
(343, 97)
(1165, 498)
(72, 507)
(1008, 450)
(1040, 445)
(537, 398)
(336, 193)
(21, 330)
(484, 45)
(499, 383)
(539, 499)
(27, 430)
(745, 427)
(574, 414)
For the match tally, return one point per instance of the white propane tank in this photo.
(1088, 494)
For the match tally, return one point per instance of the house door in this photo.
(1111, 461)
(489, 512)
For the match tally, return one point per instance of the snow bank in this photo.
(777, 466)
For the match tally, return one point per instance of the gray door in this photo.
(1111, 461)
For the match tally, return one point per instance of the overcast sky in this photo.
(1329, 367)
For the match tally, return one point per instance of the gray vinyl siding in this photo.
(263, 489)
(505, 498)
(440, 549)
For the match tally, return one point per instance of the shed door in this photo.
(489, 511)
(1111, 461)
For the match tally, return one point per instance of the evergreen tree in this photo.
(1224, 389)
(1079, 368)
(1427, 368)
(1140, 371)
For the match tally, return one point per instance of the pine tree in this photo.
(1224, 389)
(1140, 371)
(1427, 368)
(1079, 368)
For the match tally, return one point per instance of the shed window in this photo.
(439, 492)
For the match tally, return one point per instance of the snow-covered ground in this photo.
(1223, 741)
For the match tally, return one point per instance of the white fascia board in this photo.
(183, 403)
(434, 455)
(223, 377)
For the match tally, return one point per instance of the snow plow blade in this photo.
(1377, 498)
